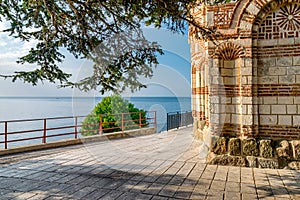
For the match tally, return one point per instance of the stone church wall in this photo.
(246, 83)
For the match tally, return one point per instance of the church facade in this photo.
(246, 81)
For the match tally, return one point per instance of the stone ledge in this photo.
(261, 153)
(87, 139)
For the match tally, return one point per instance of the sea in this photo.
(23, 108)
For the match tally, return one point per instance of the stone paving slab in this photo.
(160, 166)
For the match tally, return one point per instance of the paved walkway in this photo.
(161, 166)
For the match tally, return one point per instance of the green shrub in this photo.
(111, 108)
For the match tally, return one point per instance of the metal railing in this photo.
(44, 130)
(179, 119)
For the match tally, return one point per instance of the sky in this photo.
(171, 77)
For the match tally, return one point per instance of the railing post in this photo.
(186, 115)
(178, 118)
(122, 122)
(140, 119)
(5, 135)
(76, 124)
(45, 131)
(100, 125)
(168, 121)
(155, 122)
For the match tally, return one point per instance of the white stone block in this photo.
(293, 70)
(216, 63)
(236, 100)
(228, 118)
(291, 109)
(296, 60)
(247, 100)
(268, 119)
(242, 109)
(214, 118)
(278, 109)
(297, 100)
(297, 78)
(270, 100)
(247, 119)
(227, 72)
(230, 109)
(245, 80)
(225, 100)
(249, 62)
(289, 79)
(285, 100)
(255, 109)
(297, 40)
(277, 71)
(214, 99)
(215, 80)
(245, 26)
(268, 80)
(223, 118)
(229, 64)
(285, 120)
(264, 109)
(260, 100)
(286, 41)
(262, 43)
(210, 19)
(214, 108)
(253, 9)
(246, 71)
(214, 72)
(284, 61)
(270, 62)
(235, 118)
(296, 120)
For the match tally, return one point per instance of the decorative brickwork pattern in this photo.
(282, 23)
(288, 17)
(223, 15)
(229, 51)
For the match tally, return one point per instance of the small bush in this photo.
(111, 108)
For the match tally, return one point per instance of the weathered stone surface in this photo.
(224, 159)
(283, 162)
(296, 149)
(199, 127)
(294, 165)
(265, 149)
(234, 147)
(220, 146)
(249, 147)
(284, 149)
(201, 124)
(267, 163)
(198, 135)
(203, 150)
(252, 161)
(210, 156)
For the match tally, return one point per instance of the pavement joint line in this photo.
(252, 173)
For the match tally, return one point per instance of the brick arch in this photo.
(229, 51)
(253, 12)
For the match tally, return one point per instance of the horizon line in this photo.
(79, 96)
